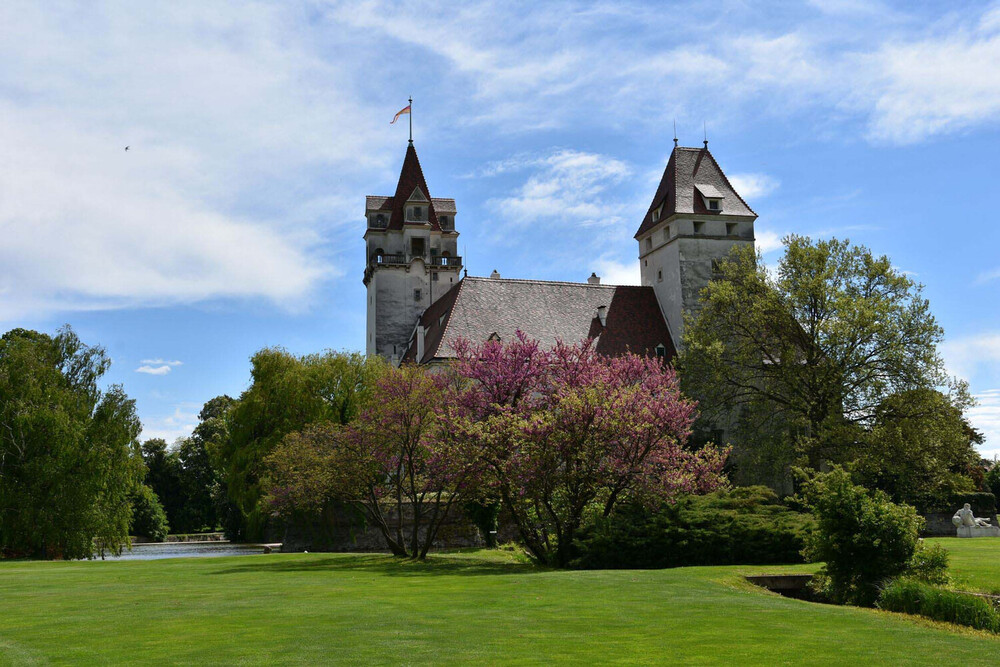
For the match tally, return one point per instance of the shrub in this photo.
(743, 526)
(929, 564)
(914, 597)
(863, 537)
(148, 518)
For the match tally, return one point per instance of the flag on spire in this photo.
(404, 110)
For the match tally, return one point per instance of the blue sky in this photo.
(255, 130)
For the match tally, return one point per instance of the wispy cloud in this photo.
(157, 362)
(986, 417)
(767, 241)
(178, 424)
(567, 187)
(975, 357)
(754, 186)
(987, 276)
(153, 370)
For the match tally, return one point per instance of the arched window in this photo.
(378, 255)
(380, 220)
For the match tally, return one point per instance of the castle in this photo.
(419, 304)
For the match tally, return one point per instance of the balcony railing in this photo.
(403, 260)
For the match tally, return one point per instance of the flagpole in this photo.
(411, 120)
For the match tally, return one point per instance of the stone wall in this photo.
(939, 524)
(344, 528)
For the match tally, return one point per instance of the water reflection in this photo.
(187, 550)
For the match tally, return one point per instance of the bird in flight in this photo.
(126, 148)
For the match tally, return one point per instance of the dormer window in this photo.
(446, 222)
(712, 196)
(656, 213)
(379, 221)
(661, 351)
(418, 212)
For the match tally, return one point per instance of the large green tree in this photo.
(804, 358)
(287, 393)
(69, 452)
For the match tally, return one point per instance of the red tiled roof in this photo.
(411, 176)
(678, 188)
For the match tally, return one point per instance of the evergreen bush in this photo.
(743, 526)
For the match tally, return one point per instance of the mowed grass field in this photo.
(461, 608)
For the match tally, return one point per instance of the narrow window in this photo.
(666, 233)
(435, 278)
(659, 275)
(649, 244)
(417, 246)
(416, 295)
(731, 229)
(661, 350)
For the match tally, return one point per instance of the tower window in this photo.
(699, 227)
(418, 213)
(659, 275)
(714, 205)
(417, 293)
(649, 244)
(731, 229)
(666, 233)
(434, 277)
(418, 246)
(380, 220)
(447, 223)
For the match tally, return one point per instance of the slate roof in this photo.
(477, 308)
(688, 171)
(411, 176)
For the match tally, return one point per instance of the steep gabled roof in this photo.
(478, 308)
(691, 172)
(411, 186)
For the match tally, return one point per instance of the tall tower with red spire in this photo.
(411, 248)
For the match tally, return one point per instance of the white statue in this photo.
(969, 526)
(965, 517)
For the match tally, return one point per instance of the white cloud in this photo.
(613, 272)
(220, 108)
(987, 276)
(567, 186)
(754, 186)
(986, 417)
(161, 361)
(939, 84)
(767, 241)
(179, 424)
(153, 370)
(975, 358)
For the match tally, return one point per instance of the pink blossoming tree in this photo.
(562, 434)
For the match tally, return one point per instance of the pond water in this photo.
(187, 550)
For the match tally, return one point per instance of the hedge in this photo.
(914, 597)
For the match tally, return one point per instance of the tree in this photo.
(919, 450)
(164, 477)
(862, 537)
(148, 518)
(567, 433)
(392, 462)
(69, 452)
(808, 354)
(287, 393)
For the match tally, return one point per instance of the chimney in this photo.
(495, 274)
(594, 279)
(420, 343)
(602, 314)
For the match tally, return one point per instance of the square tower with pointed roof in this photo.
(695, 219)
(411, 248)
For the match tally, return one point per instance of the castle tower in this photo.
(694, 220)
(411, 258)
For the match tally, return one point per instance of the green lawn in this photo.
(480, 607)
(974, 563)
